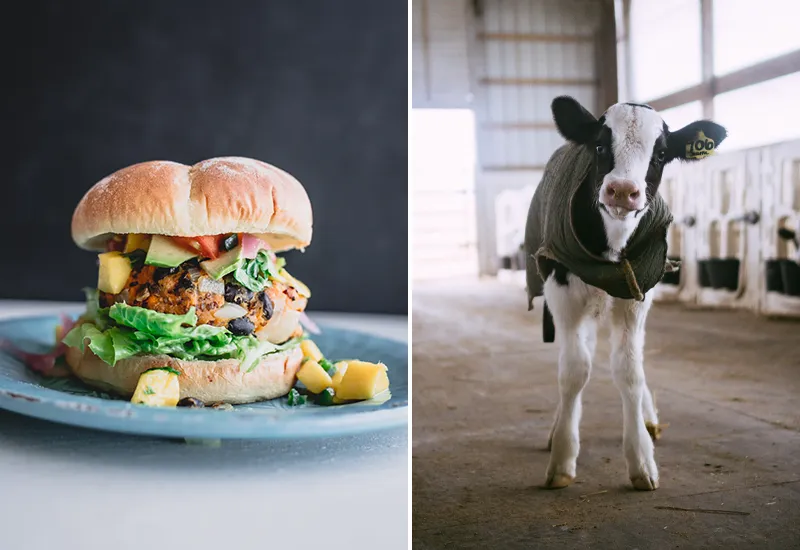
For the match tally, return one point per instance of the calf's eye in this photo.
(661, 156)
(601, 149)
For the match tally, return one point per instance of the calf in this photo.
(595, 246)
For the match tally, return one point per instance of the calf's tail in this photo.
(548, 328)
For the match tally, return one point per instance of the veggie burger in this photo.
(189, 283)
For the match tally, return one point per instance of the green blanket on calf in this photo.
(550, 234)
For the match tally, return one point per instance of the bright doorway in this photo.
(443, 182)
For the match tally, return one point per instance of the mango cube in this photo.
(311, 350)
(336, 379)
(137, 241)
(314, 377)
(114, 272)
(362, 381)
(157, 388)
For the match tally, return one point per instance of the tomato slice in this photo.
(207, 246)
(189, 243)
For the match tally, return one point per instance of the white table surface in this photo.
(64, 488)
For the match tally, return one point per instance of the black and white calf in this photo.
(630, 145)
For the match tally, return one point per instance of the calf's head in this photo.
(631, 144)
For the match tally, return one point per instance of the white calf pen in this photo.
(727, 209)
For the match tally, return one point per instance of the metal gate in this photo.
(780, 184)
(728, 210)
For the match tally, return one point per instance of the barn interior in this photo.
(721, 354)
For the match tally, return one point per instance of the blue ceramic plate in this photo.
(71, 402)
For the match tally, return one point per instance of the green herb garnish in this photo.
(328, 366)
(295, 398)
(136, 257)
(326, 397)
(149, 391)
(168, 369)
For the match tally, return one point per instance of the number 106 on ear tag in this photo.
(700, 146)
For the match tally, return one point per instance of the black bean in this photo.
(266, 305)
(230, 242)
(241, 326)
(191, 402)
(185, 283)
(136, 258)
(161, 272)
(237, 294)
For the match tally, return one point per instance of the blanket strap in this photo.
(630, 278)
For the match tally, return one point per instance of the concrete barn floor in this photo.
(484, 392)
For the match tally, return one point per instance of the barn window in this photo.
(770, 29)
(665, 46)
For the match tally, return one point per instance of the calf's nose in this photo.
(622, 193)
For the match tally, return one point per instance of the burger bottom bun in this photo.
(208, 381)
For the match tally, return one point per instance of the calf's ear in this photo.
(574, 122)
(695, 141)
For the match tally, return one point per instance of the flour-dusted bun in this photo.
(216, 196)
(208, 381)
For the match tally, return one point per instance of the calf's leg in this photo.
(650, 414)
(568, 305)
(627, 367)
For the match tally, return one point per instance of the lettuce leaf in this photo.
(92, 302)
(255, 274)
(251, 350)
(151, 322)
(142, 331)
(111, 346)
(96, 314)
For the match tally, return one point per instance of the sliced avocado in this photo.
(225, 264)
(164, 252)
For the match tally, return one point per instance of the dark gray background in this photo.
(318, 88)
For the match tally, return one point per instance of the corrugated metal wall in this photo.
(440, 67)
(532, 51)
(525, 53)
(506, 60)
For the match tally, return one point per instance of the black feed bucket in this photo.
(774, 276)
(724, 273)
(790, 273)
(703, 274)
(674, 277)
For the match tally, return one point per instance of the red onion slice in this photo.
(230, 311)
(308, 324)
(42, 363)
(207, 284)
(251, 245)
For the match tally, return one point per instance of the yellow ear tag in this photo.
(701, 146)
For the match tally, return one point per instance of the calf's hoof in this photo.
(558, 481)
(644, 483)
